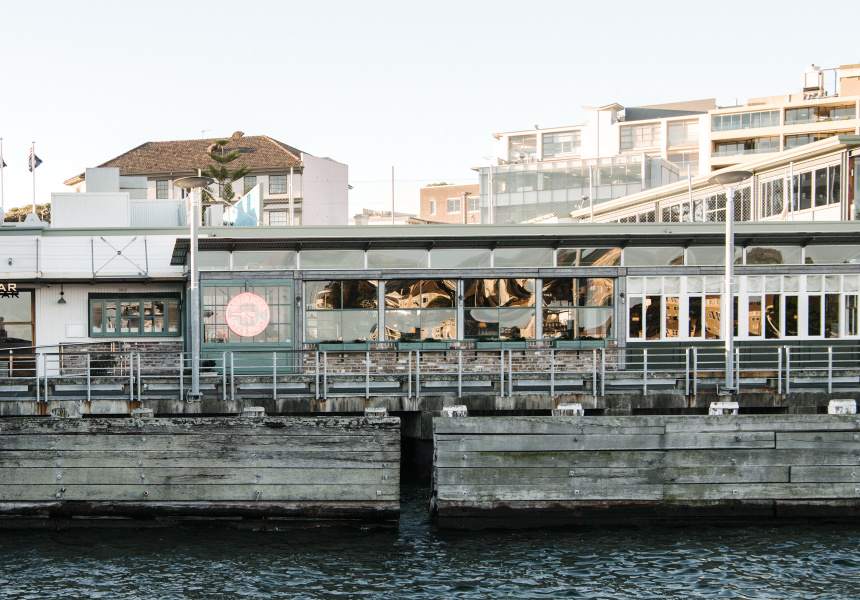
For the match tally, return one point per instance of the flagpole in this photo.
(33, 169)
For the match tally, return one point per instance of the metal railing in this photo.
(132, 375)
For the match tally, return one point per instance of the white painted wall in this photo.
(325, 190)
(71, 210)
(63, 323)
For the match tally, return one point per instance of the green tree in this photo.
(223, 177)
(14, 215)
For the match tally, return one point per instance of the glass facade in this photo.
(522, 148)
(562, 143)
(341, 310)
(420, 309)
(634, 137)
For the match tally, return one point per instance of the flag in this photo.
(34, 163)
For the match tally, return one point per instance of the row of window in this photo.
(769, 307)
(278, 184)
(455, 205)
(131, 317)
(432, 308)
(480, 258)
(771, 118)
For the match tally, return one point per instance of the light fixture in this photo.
(61, 300)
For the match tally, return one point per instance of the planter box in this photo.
(567, 344)
(364, 346)
(417, 345)
(593, 343)
(501, 345)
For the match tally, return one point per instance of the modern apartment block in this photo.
(621, 152)
(776, 123)
(297, 188)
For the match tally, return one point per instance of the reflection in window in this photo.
(499, 308)
(134, 316)
(420, 309)
(588, 257)
(571, 307)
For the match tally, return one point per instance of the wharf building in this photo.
(571, 172)
(306, 331)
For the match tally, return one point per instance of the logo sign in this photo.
(247, 314)
(9, 290)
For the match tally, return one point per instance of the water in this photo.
(806, 561)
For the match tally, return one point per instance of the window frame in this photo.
(104, 298)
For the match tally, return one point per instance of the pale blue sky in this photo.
(417, 85)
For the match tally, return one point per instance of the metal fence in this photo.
(415, 373)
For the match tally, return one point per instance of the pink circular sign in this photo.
(247, 314)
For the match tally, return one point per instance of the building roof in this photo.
(573, 235)
(186, 156)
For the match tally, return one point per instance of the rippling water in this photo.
(647, 561)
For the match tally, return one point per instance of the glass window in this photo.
(432, 207)
(264, 260)
(455, 258)
(640, 136)
(250, 181)
(773, 255)
(278, 218)
(16, 317)
(832, 255)
(588, 257)
(522, 148)
(453, 205)
(694, 316)
(713, 325)
(522, 257)
(162, 189)
(683, 133)
(331, 259)
(653, 256)
(562, 143)
(277, 184)
(403, 258)
(213, 261)
(506, 308)
(711, 255)
(217, 296)
(341, 310)
(821, 187)
(835, 179)
(128, 316)
(420, 309)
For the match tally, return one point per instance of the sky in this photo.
(417, 86)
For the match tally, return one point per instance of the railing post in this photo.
(232, 378)
(510, 373)
(88, 378)
(139, 383)
(181, 375)
(787, 369)
(317, 373)
(738, 369)
(552, 372)
(223, 377)
(779, 370)
(603, 371)
(502, 373)
(594, 374)
(829, 369)
(366, 374)
(417, 374)
(686, 371)
(274, 375)
(460, 373)
(409, 377)
(131, 376)
(645, 371)
(695, 371)
(325, 374)
(38, 383)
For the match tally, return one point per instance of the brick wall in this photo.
(156, 357)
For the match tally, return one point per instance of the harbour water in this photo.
(689, 560)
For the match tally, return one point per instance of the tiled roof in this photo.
(181, 156)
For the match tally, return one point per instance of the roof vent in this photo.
(237, 135)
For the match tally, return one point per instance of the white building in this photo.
(297, 188)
